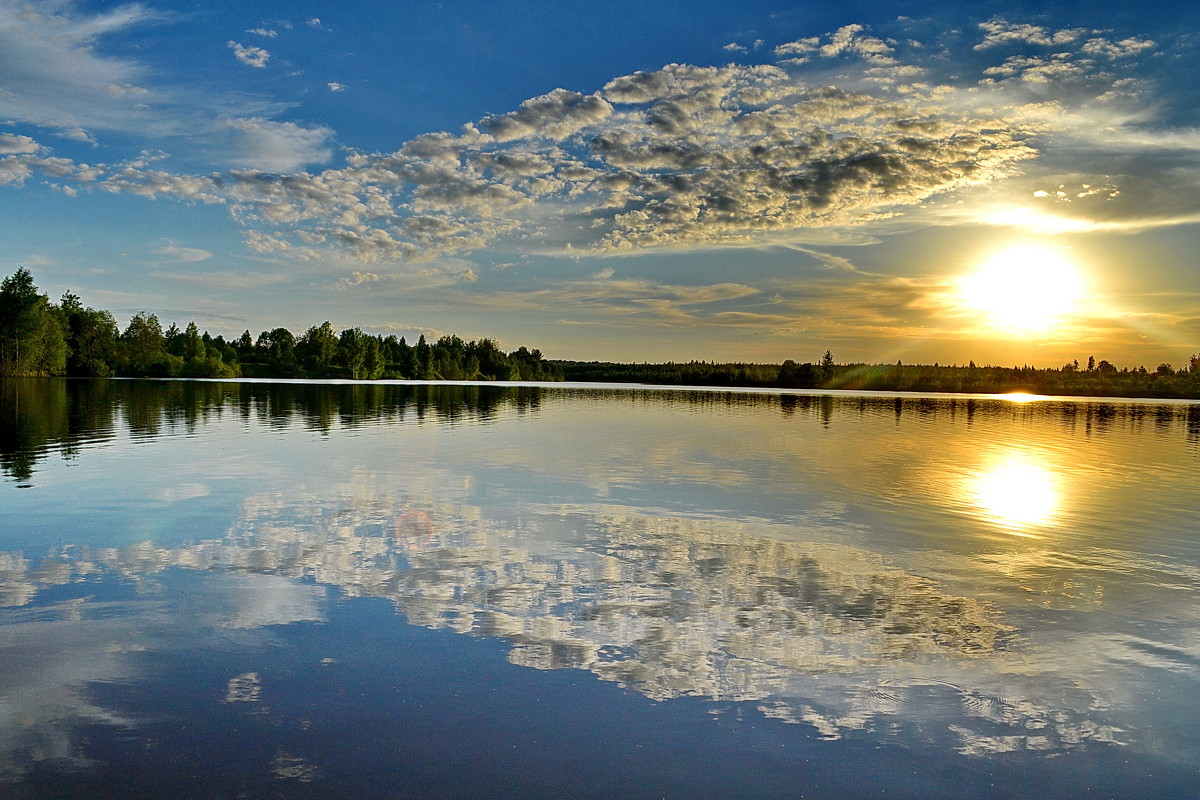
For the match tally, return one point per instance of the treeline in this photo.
(1097, 379)
(41, 338)
(692, 373)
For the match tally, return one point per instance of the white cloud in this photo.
(680, 157)
(847, 40)
(999, 32)
(53, 74)
(336, 87)
(13, 144)
(78, 135)
(1125, 48)
(249, 55)
(261, 144)
(265, 32)
(181, 255)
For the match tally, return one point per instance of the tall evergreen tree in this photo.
(32, 340)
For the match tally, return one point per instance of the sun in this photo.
(1025, 288)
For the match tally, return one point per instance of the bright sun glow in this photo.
(1025, 288)
(1017, 492)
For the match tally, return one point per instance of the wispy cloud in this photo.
(54, 76)
(174, 253)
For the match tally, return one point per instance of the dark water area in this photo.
(242, 589)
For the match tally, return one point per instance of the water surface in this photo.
(373, 590)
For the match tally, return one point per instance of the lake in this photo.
(339, 590)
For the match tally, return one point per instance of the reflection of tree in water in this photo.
(41, 416)
(666, 606)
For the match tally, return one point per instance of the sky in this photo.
(1005, 183)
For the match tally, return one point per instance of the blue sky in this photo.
(629, 181)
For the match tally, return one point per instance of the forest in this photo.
(1095, 379)
(42, 338)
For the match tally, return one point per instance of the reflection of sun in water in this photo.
(1025, 288)
(1017, 492)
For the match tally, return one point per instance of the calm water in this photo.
(378, 591)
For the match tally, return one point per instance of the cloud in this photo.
(265, 32)
(1125, 48)
(849, 40)
(181, 255)
(249, 55)
(336, 87)
(998, 32)
(12, 144)
(556, 115)
(261, 144)
(682, 157)
(59, 75)
(54, 75)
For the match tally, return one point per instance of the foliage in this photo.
(32, 339)
(38, 338)
(1098, 380)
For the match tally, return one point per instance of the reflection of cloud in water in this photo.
(246, 688)
(52, 654)
(177, 493)
(818, 633)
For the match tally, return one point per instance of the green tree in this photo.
(193, 346)
(143, 349)
(91, 339)
(32, 339)
(423, 356)
(245, 346)
(279, 347)
(826, 366)
(317, 350)
(360, 355)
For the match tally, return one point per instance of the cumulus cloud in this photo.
(683, 156)
(1000, 31)
(249, 55)
(847, 40)
(334, 86)
(680, 157)
(13, 144)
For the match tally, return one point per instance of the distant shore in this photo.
(1094, 380)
